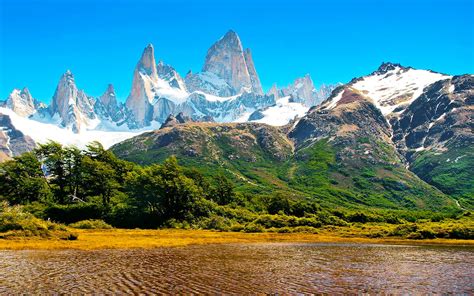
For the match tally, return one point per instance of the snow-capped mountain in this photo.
(227, 89)
(228, 70)
(22, 102)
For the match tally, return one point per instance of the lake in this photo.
(243, 268)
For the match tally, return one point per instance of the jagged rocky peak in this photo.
(388, 66)
(227, 60)
(142, 94)
(254, 79)
(21, 102)
(147, 63)
(72, 105)
(109, 103)
(109, 98)
(302, 89)
(274, 91)
(170, 75)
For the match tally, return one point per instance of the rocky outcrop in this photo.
(254, 79)
(21, 102)
(12, 141)
(172, 120)
(145, 77)
(171, 76)
(73, 106)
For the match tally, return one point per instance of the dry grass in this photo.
(125, 239)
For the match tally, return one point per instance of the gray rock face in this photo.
(112, 113)
(12, 141)
(303, 90)
(228, 69)
(227, 61)
(21, 102)
(145, 77)
(442, 115)
(169, 74)
(254, 79)
(173, 121)
(72, 105)
(353, 117)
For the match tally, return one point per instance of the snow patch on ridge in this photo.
(396, 88)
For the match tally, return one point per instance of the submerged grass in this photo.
(137, 238)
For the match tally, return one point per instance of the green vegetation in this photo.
(15, 222)
(451, 172)
(93, 189)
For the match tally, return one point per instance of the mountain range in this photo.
(227, 89)
(398, 137)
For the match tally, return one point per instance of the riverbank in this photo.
(137, 238)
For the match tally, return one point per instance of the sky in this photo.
(101, 41)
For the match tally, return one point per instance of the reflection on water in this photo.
(242, 268)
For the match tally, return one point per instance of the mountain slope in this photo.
(262, 158)
(430, 118)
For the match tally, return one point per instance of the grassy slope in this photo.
(451, 172)
(312, 172)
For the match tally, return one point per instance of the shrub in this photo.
(74, 212)
(215, 222)
(91, 224)
(252, 227)
(14, 221)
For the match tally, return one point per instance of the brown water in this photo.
(242, 268)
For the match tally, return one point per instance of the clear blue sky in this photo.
(334, 41)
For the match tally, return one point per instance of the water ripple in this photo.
(242, 269)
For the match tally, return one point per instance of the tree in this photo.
(164, 190)
(278, 202)
(52, 156)
(223, 191)
(99, 179)
(22, 180)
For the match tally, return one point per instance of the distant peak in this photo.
(67, 77)
(25, 90)
(147, 61)
(110, 88)
(388, 66)
(231, 37)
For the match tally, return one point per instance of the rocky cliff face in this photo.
(226, 60)
(74, 108)
(171, 76)
(145, 77)
(435, 133)
(112, 114)
(254, 79)
(21, 102)
(228, 70)
(12, 141)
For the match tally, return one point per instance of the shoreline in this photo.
(150, 239)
